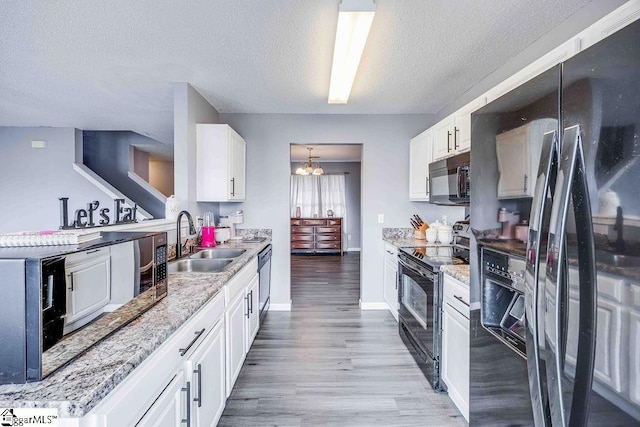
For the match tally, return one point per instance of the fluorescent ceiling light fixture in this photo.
(354, 23)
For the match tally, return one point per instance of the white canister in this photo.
(172, 207)
(445, 234)
(431, 234)
(222, 234)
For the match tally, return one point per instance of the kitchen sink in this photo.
(617, 260)
(218, 253)
(199, 265)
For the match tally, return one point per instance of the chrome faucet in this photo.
(618, 226)
(192, 230)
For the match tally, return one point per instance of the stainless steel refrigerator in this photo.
(582, 279)
(582, 293)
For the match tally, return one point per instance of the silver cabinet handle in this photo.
(199, 397)
(448, 139)
(247, 300)
(456, 131)
(183, 351)
(427, 182)
(187, 420)
(525, 182)
(92, 252)
(251, 301)
(461, 300)
(71, 281)
(233, 186)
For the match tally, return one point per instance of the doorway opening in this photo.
(325, 217)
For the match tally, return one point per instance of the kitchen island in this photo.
(76, 388)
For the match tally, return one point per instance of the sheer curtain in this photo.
(316, 194)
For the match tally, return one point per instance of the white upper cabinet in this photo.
(453, 134)
(420, 155)
(220, 164)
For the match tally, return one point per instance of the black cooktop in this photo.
(433, 256)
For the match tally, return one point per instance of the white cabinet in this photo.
(390, 278)
(220, 164)
(420, 155)
(453, 134)
(236, 340)
(170, 409)
(455, 342)
(206, 368)
(253, 317)
(518, 151)
(88, 279)
(242, 319)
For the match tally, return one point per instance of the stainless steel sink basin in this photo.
(199, 265)
(617, 260)
(218, 253)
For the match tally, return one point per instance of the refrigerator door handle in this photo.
(534, 287)
(571, 182)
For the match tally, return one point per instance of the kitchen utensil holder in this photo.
(419, 235)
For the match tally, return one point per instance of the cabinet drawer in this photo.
(456, 294)
(314, 222)
(301, 230)
(302, 237)
(328, 245)
(327, 237)
(334, 221)
(302, 245)
(327, 230)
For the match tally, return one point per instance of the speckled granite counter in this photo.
(512, 247)
(403, 238)
(77, 387)
(460, 272)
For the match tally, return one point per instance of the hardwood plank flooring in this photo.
(326, 363)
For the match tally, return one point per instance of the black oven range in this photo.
(420, 301)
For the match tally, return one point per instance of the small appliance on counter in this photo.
(231, 221)
(509, 220)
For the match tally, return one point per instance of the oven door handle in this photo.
(415, 269)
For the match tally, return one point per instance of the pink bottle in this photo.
(208, 231)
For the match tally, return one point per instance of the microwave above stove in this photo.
(449, 180)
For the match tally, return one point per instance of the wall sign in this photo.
(86, 218)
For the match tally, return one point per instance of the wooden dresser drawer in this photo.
(327, 237)
(296, 221)
(328, 245)
(314, 222)
(334, 229)
(301, 230)
(302, 245)
(302, 237)
(334, 221)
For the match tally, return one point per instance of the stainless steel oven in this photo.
(419, 315)
(449, 180)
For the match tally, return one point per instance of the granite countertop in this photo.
(512, 247)
(80, 385)
(460, 272)
(404, 238)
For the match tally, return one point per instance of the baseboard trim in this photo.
(353, 250)
(373, 306)
(280, 307)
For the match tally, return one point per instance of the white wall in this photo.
(33, 179)
(189, 109)
(385, 180)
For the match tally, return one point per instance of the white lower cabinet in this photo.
(390, 278)
(253, 318)
(455, 342)
(236, 340)
(168, 409)
(206, 368)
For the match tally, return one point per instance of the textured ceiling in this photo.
(327, 153)
(109, 65)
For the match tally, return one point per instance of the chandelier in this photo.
(309, 168)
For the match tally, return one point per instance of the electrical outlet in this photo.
(380, 218)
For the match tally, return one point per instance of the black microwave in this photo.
(449, 180)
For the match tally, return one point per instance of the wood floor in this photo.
(328, 363)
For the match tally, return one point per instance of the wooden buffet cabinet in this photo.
(316, 235)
